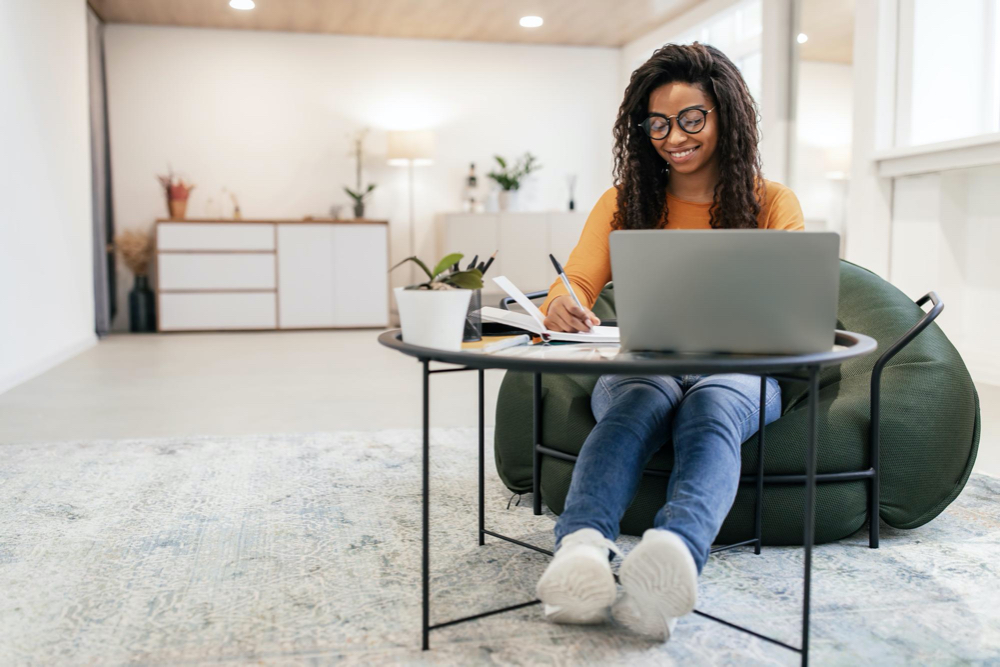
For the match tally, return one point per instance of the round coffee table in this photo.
(601, 359)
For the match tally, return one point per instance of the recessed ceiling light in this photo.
(802, 38)
(531, 21)
(241, 4)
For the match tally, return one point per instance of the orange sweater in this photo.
(589, 265)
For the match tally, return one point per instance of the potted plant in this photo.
(509, 177)
(357, 194)
(136, 250)
(177, 192)
(432, 313)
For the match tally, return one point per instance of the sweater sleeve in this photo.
(784, 211)
(589, 266)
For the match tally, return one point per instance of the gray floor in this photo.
(233, 384)
(289, 382)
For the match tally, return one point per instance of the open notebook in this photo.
(533, 321)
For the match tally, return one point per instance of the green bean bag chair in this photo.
(929, 430)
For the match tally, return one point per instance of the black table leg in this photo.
(482, 464)
(810, 509)
(536, 430)
(758, 522)
(425, 536)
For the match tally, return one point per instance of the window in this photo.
(949, 70)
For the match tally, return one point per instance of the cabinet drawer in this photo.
(204, 236)
(211, 311)
(208, 271)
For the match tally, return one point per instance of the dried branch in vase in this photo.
(136, 250)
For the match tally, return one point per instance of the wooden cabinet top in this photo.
(326, 221)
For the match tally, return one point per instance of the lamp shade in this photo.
(410, 146)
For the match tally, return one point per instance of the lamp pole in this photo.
(413, 232)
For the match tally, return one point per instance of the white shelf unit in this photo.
(216, 275)
(524, 241)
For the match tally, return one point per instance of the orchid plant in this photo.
(447, 274)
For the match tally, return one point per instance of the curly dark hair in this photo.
(642, 175)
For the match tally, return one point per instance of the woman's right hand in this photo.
(564, 315)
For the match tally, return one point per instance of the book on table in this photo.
(533, 320)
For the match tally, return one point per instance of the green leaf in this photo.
(371, 186)
(418, 262)
(503, 163)
(446, 262)
(471, 279)
(354, 195)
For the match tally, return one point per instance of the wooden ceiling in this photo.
(609, 23)
(829, 24)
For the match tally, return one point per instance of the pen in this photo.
(569, 288)
(509, 342)
(490, 261)
(472, 264)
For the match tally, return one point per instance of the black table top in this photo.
(600, 359)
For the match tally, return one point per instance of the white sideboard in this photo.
(271, 274)
(524, 241)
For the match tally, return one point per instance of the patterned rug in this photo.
(291, 549)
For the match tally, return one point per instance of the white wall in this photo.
(46, 267)
(267, 115)
(823, 129)
(945, 235)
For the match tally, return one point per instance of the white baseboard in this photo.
(35, 369)
(983, 365)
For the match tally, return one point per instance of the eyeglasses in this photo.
(690, 120)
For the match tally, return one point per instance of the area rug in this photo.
(305, 549)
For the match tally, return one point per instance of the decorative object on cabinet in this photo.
(136, 250)
(177, 191)
(410, 148)
(433, 313)
(509, 177)
(272, 274)
(524, 241)
(470, 194)
(571, 182)
(237, 215)
(357, 194)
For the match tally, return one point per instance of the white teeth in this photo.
(684, 153)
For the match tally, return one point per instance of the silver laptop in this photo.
(740, 291)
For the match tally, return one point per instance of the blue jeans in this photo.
(707, 417)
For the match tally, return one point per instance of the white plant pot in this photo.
(433, 318)
(507, 200)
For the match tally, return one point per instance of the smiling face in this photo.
(685, 153)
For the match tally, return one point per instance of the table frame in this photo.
(806, 370)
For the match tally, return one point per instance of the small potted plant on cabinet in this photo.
(509, 177)
(432, 313)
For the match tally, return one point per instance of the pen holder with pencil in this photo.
(474, 319)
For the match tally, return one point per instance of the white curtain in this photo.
(104, 259)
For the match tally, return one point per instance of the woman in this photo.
(686, 157)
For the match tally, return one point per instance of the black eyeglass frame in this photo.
(704, 119)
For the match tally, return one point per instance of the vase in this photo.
(505, 199)
(178, 209)
(141, 307)
(359, 210)
(433, 318)
(474, 318)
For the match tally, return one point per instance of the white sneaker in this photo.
(660, 580)
(578, 586)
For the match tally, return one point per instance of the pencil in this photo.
(490, 261)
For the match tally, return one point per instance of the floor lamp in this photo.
(411, 148)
